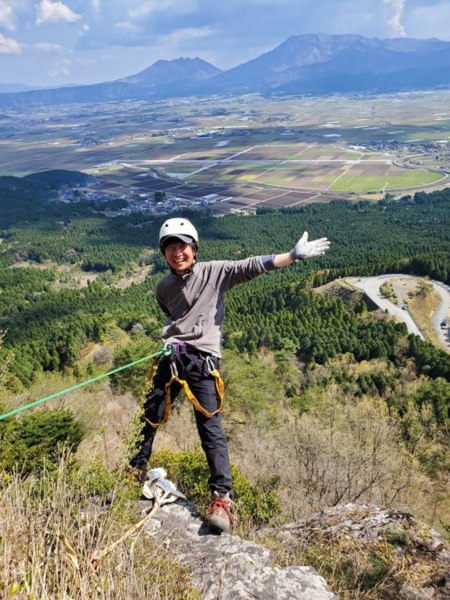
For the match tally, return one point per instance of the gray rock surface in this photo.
(418, 557)
(226, 567)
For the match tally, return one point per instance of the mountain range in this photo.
(303, 64)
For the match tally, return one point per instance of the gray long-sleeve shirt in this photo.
(195, 303)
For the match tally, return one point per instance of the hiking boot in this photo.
(136, 474)
(218, 515)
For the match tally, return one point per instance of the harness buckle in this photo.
(210, 364)
(173, 367)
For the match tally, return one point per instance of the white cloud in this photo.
(54, 12)
(48, 47)
(188, 34)
(161, 6)
(126, 26)
(96, 5)
(60, 68)
(395, 22)
(8, 45)
(6, 15)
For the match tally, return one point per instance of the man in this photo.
(192, 297)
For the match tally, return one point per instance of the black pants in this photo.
(194, 368)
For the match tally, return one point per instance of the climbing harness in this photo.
(178, 350)
(165, 351)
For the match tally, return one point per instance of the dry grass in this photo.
(49, 529)
(421, 308)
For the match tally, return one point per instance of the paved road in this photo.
(442, 314)
(371, 286)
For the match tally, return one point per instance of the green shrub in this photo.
(189, 471)
(95, 479)
(435, 392)
(376, 571)
(38, 438)
(395, 535)
(134, 379)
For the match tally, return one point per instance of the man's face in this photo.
(179, 255)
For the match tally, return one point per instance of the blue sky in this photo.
(60, 42)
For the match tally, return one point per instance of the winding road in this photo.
(371, 287)
(441, 315)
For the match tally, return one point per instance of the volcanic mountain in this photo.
(303, 64)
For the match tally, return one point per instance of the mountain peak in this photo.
(178, 70)
(315, 63)
(322, 64)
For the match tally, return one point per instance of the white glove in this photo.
(305, 249)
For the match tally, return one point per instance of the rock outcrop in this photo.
(384, 552)
(387, 549)
(227, 567)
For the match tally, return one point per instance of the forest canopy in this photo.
(47, 321)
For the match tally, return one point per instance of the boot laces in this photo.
(218, 504)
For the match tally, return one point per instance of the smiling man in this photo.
(193, 298)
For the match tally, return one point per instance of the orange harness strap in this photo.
(190, 396)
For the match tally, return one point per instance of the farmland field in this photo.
(241, 153)
(405, 180)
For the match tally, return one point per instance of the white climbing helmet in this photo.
(179, 228)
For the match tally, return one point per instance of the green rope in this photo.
(163, 352)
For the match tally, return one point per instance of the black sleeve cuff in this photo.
(268, 262)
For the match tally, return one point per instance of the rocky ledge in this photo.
(386, 553)
(227, 567)
(383, 549)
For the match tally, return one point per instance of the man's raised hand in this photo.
(304, 249)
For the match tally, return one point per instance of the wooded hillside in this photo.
(327, 400)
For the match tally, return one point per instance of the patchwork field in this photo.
(241, 153)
